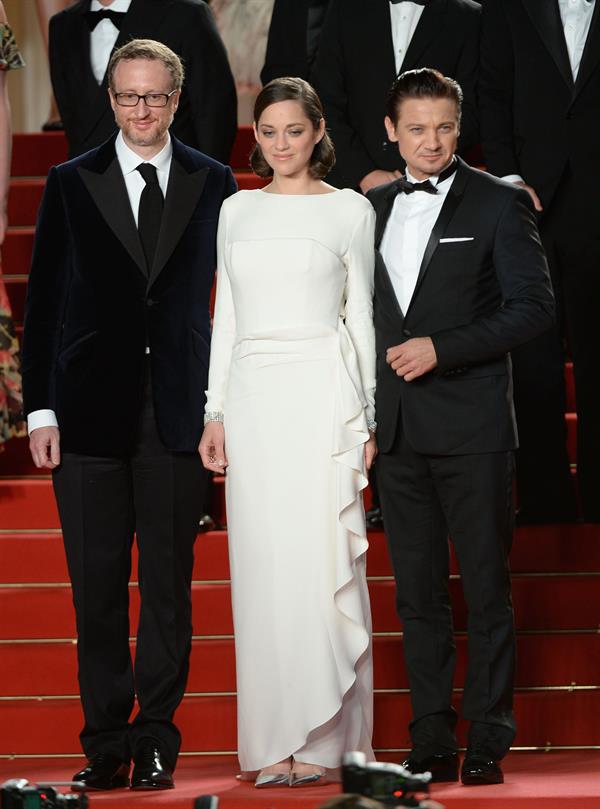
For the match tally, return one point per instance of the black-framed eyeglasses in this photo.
(150, 99)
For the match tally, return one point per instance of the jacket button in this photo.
(406, 332)
(150, 302)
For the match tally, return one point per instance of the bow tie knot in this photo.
(94, 17)
(405, 185)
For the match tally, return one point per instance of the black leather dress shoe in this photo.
(103, 771)
(443, 767)
(478, 768)
(150, 770)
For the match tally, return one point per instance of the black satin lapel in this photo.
(142, 20)
(384, 275)
(429, 26)
(109, 192)
(453, 197)
(183, 192)
(382, 211)
(591, 53)
(385, 55)
(545, 16)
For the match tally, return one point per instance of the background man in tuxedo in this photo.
(294, 36)
(363, 46)
(540, 102)
(115, 358)
(462, 281)
(82, 38)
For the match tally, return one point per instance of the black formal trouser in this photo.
(571, 237)
(469, 497)
(102, 501)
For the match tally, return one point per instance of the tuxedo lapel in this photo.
(545, 16)
(382, 61)
(453, 197)
(429, 26)
(383, 210)
(107, 188)
(591, 53)
(184, 190)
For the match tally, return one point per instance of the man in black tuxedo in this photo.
(540, 101)
(115, 358)
(363, 46)
(82, 38)
(461, 280)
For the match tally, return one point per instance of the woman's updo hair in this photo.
(291, 88)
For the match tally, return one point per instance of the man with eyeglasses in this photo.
(82, 38)
(115, 360)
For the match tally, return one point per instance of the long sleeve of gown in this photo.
(360, 264)
(224, 327)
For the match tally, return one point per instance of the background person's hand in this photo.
(378, 177)
(532, 194)
(44, 445)
(212, 448)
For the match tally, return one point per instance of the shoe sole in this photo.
(475, 781)
(86, 788)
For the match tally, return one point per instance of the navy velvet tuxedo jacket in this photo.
(477, 300)
(93, 305)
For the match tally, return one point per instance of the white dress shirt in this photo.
(134, 182)
(576, 16)
(103, 37)
(404, 18)
(406, 235)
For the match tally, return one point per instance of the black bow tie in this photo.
(93, 17)
(402, 184)
(416, 2)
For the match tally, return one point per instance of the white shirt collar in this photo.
(116, 5)
(129, 160)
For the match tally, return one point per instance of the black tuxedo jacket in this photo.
(207, 114)
(534, 118)
(355, 68)
(477, 300)
(293, 40)
(93, 306)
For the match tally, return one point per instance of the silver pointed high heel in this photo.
(273, 779)
(309, 780)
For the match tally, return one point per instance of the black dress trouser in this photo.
(469, 497)
(157, 495)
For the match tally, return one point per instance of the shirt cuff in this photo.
(513, 178)
(41, 418)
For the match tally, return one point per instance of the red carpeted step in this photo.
(16, 250)
(46, 668)
(571, 419)
(15, 458)
(208, 723)
(16, 288)
(570, 387)
(37, 557)
(560, 602)
(35, 152)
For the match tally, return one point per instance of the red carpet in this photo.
(556, 595)
(557, 780)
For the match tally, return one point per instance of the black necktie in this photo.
(416, 2)
(93, 17)
(402, 184)
(150, 211)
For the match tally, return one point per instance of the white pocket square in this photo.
(458, 239)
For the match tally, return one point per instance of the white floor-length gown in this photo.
(293, 370)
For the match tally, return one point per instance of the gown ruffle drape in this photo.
(292, 368)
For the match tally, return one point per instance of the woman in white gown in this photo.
(290, 414)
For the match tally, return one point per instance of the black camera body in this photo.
(390, 784)
(18, 793)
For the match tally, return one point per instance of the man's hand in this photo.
(370, 451)
(378, 177)
(212, 448)
(44, 445)
(412, 359)
(532, 194)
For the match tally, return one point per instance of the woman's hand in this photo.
(212, 448)
(370, 450)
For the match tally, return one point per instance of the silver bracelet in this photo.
(213, 415)
(371, 425)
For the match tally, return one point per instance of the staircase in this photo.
(556, 591)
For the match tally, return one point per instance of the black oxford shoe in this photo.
(103, 771)
(150, 770)
(443, 767)
(478, 768)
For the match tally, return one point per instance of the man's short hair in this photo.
(422, 83)
(147, 49)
